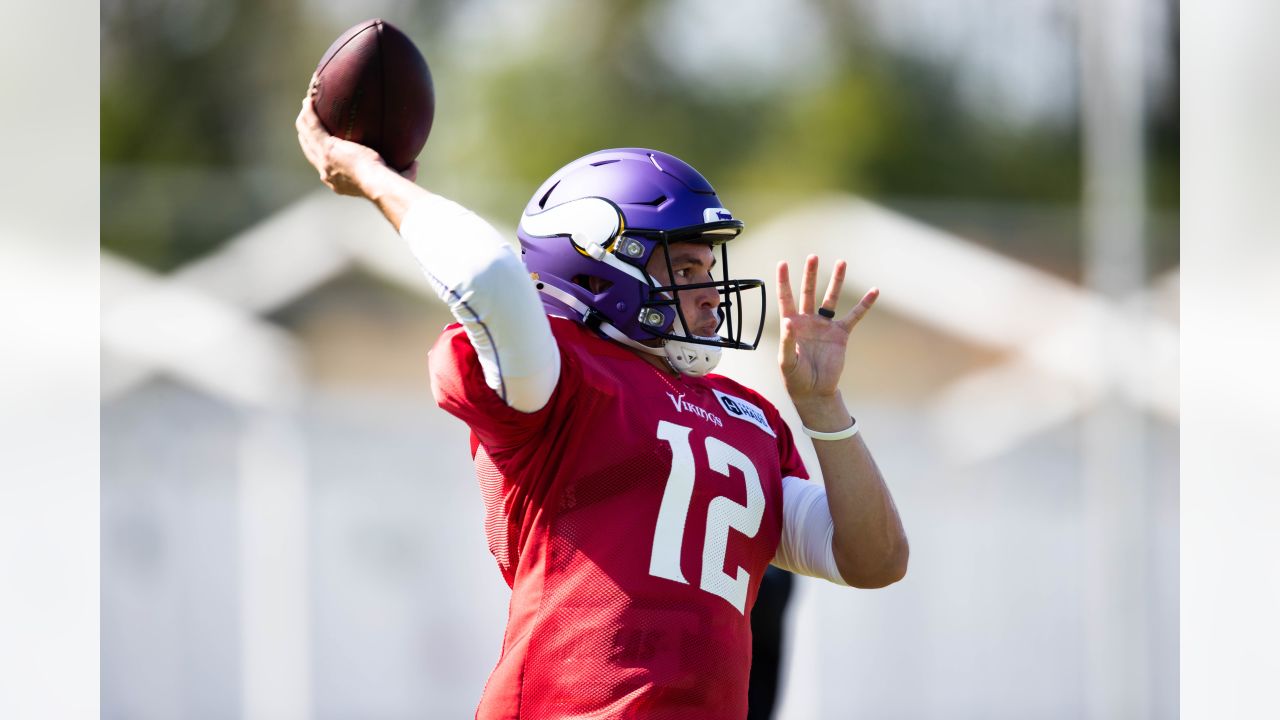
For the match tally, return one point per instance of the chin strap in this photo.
(605, 326)
(685, 358)
(689, 358)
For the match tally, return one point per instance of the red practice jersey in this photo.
(633, 517)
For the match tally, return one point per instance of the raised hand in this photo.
(338, 161)
(814, 340)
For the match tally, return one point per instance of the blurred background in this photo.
(290, 527)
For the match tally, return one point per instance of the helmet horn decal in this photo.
(590, 223)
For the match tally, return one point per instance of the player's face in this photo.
(691, 263)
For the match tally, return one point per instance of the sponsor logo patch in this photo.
(743, 410)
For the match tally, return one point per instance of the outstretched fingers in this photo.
(786, 311)
(860, 310)
(832, 299)
(809, 285)
(786, 300)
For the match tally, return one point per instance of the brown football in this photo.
(375, 88)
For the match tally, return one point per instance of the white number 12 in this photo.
(722, 514)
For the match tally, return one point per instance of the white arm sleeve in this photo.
(488, 290)
(807, 531)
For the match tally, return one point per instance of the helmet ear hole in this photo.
(596, 285)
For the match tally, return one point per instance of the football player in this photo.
(633, 498)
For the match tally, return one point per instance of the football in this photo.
(374, 88)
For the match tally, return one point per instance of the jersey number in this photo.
(722, 514)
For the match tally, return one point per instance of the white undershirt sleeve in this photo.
(807, 531)
(488, 290)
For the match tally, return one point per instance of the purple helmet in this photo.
(603, 216)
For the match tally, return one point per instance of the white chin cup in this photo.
(691, 358)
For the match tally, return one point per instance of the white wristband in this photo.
(837, 435)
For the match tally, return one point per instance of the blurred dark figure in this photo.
(766, 642)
